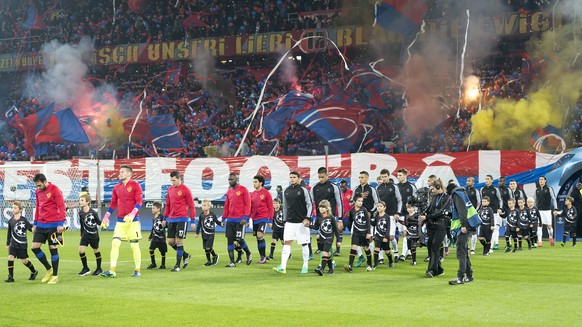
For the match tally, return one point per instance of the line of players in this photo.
(381, 205)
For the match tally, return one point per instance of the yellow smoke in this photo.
(110, 126)
(508, 124)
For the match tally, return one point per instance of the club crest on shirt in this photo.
(262, 197)
(129, 189)
(48, 195)
(237, 193)
(179, 193)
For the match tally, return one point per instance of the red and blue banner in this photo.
(47, 126)
(402, 16)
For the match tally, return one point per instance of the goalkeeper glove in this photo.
(105, 221)
(129, 218)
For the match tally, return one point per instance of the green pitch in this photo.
(529, 288)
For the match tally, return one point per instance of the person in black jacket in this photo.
(297, 208)
(436, 226)
(459, 209)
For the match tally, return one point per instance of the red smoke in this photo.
(136, 5)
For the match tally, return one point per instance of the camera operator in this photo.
(436, 218)
(460, 202)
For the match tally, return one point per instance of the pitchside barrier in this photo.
(208, 177)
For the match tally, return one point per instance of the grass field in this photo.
(540, 287)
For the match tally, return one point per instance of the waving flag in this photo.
(46, 126)
(193, 21)
(402, 16)
(33, 20)
(173, 72)
(548, 139)
(373, 86)
(337, 120)
(160, 131)
(277, 121)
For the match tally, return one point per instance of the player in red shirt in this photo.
(127, 198)
(49, 222)
(261, 213)
(178, 201)
(237, 209)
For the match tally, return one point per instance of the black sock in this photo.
(83, 260)
(153, 257)
(565, 239)
(369, 257)
(163, 258)
(353, 254)
(519, 242)
(42, 258)
(239, 254)
(55, 261)
(30, 266)
(507, 242)
(413, 252)
(482, 243)
(179, 254)
(324, 260)
(207, 254)
(10, 268)
(319, 246)
(376, 252)
(310, 250)
(574, 239)
(273, 245)
(231, 255)
(329, 263)
(338, 248)
(487, 247)
(212, 252)
(98, 259)
(515, 243)
(389, 255)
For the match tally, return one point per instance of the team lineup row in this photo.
(373, 215)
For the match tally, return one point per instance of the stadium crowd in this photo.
(214, 126)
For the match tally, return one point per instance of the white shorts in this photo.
(400, 227)
(546, 217)
(297, 232)
(498, 220)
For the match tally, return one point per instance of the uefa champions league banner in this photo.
(208, 177)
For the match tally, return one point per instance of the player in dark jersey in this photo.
(326, 223)
(486, 229)
(413, 226)
(17, 242)
(207, 224)
(535, 221)
(512, 217)
(383, 233)
(326, 190)
(359, 222)
(569, 214)
(89, 222)
(407, 190)
(523, 224)
(157, 236)
(496, 204)
(278, 227)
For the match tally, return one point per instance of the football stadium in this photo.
(206, 162)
